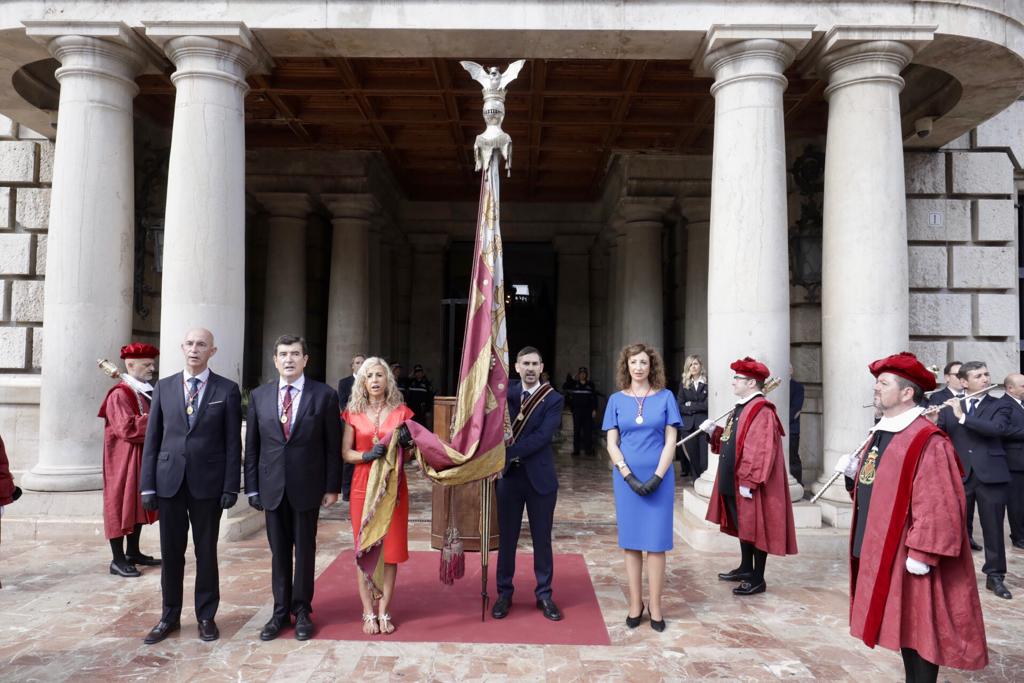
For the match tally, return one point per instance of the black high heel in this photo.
(633, 622)
(659, 625)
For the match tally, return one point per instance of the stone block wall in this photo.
(962, 241)
(26, 167)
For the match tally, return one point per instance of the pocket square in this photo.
(213, 403)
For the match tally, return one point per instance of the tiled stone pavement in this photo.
(64, 618)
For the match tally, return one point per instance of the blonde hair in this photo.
(687, 377)
(656, 376)
(360, 398)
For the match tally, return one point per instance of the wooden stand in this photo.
(465, 498)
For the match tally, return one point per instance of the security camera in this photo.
(923, 126)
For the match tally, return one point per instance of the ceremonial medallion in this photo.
(375, 440)
(639, 419)
(867, 472)
(284, 419)
(727, 432)
(189, 410)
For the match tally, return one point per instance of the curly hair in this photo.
(360, 398)
(687, 378)
(656, 377)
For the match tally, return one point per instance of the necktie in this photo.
(526, 396)
(286, 417)
(193, 400)
(972, 406)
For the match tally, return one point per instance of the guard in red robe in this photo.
(125, 412)
(8, 491)
(750, 498)
(912, 579)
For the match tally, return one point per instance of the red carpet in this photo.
(425, 610)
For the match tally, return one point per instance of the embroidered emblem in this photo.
(867, 472)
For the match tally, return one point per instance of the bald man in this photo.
(191, 471)
(1013, 444)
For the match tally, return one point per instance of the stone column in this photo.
(599, 291)
(864, 305)
(643, 299)
(572, 330)
(748, 280)
(377, 278)
(285, 300)
(613, 305)
(348, 317)
(387, 303)
(425, 303)
(695, 330)
(88, 289)
(204, 231)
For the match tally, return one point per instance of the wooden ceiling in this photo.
(566, 117)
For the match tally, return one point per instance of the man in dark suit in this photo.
(292, 466)
(1013, 442)
(977, 430)
(191, 467)
(796, 406)
(529, 480)
(954, 387)
(344, 393)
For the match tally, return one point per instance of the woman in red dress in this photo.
(373, 412)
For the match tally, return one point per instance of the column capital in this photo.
(428, 242)
(361, 206)
(106, 49)
(696, 209)
(723, 44)
(216, 49)
(640, 209)
(578, 245)
(285, 204)
(860, 54)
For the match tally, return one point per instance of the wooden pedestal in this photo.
(465, 499)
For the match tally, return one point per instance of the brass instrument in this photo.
(770, 385)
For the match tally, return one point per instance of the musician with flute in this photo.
(750, 498)
(912, 583)
(977, 424)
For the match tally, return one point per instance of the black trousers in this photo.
(582, 431)
(1015, 506)
(752, 560)
(515, 492)
(796, 468)
(291, 530)
(177, 513)
(991, 501)
(917, 668)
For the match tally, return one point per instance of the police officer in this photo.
(420, 396)
(583, 400)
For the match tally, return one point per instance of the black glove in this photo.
(635, 484)
(651, 485)
(255, 502)
(17, 493)
(379, 450)
(149, 501)
(228, 500)
(405, 438)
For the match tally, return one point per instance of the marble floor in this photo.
(64, 618)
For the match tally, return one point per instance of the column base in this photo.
(44, 478)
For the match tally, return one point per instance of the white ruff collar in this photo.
(897, 423)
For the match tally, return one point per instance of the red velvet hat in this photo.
(139, 350)
(748, 367)
(907, 366)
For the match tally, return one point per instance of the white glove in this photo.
(707, 426)
(915, 567)
(746, 493)
(847, 464)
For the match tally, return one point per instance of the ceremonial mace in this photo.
(928, 411)
(770, 385)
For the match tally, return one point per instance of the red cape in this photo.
(123, 434)
(766, 520)
(6, 480)
(938, 614)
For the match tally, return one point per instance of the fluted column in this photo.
(425, 303)
(204, 231)
(748, 280)
(695, 330)
(572, 327)
(348, 316)
(285, 299)
(88, 289)
(864, 305)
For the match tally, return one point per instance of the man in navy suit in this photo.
(191, 467)
(529, 481)
(954, 386)
(977, 430)
(1013, 442)
(292, 466)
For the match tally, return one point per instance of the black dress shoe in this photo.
(737, 574)
(633, 622)
(273, 627)
(1018, 544)
(208, 630)
(550, 609)
(974, 546)
(303, 626)
(996, 585)
(161, 631)
(748, 588)
(501, 607)
(144, 560)
(123, 568)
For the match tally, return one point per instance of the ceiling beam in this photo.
(631, 83)
(283, 110)
(451, 107)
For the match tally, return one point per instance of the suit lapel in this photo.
(269, 399)
(304, 402)
(177, 382)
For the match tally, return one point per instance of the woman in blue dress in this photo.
(642, 421)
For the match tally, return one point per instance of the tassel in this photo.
(453, 558)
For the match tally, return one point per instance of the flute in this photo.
(770, 385)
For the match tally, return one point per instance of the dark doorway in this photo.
(530, 290)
